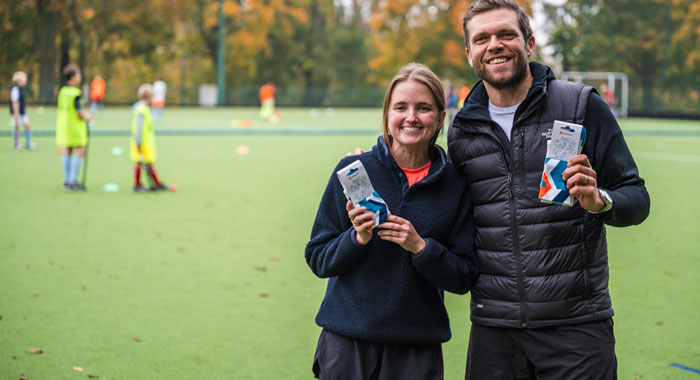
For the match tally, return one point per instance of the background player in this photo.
(18, 110)
(71, 128)
(143, 148)
(158, 102)
(97, 94)
(267, 100)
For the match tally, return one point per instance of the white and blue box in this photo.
(567, 141)
(358, 189)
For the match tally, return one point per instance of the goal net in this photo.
(616, 83)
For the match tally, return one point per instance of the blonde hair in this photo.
(20, 75)
(421, 74)
(145, 91)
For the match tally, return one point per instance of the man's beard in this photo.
(498, 81)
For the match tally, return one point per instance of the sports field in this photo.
(211, 283)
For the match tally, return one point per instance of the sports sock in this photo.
(137, 174)
(152, 172)
(65, 164)
(75, 164)
(16, 135)
(28, 137)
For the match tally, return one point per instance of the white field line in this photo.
(668, 156)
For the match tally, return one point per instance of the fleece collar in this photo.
(437, 156)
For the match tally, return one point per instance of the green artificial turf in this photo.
(212, 279)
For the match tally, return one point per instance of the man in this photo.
(541, 308)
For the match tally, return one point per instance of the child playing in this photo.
(71, 128)
(143, 148)
(17, 110)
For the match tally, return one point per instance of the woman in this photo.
(383, 314)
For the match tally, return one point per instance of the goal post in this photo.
(614, 80)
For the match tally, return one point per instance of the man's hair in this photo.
(145, 91)
(421, 74)
(19, 75)
(481, 6)
(69, 71)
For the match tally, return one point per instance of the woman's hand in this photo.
(362, 222)
(400, 231)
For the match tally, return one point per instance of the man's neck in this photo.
(508, 97)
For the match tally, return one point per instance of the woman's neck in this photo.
(410, 157)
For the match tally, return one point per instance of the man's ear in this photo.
(530, 46)
(469, 56)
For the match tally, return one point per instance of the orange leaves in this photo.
(232, 9)
(453, 53)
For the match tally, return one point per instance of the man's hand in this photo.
(581, 181)
(355, 152)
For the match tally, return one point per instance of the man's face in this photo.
(497, 49)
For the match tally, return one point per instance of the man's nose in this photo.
(494, 43)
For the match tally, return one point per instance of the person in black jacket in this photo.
(541, 308)
(383, 315)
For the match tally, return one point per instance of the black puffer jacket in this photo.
(542, 265)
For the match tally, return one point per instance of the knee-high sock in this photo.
(152, 172)
(137, 174)
(75, 165)
(65, 164)
(27, 137)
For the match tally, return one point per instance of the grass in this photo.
(212, 279)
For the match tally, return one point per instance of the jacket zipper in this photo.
(516, 251)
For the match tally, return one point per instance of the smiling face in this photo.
(497, 48)
(413, 117)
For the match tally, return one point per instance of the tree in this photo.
(48, 11)
(651, 43)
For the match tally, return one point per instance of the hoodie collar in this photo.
(476, 105)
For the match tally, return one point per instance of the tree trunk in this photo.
(47, 47)
(65, 55)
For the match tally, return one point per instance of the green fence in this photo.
(677, 96)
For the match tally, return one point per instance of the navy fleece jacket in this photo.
(380, 292)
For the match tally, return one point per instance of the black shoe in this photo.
(139, 189)
(77, 187)
(160, 187)
(66, 186)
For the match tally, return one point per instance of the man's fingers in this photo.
(579, 159)
(355, 152)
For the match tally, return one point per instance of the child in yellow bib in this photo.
(71, 128)
(143, 147)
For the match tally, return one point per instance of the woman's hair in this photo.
(145, 91)
(421, 74)
(481, 6)
(69, 71)
(19, 76)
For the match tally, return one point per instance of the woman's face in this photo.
(413, 117)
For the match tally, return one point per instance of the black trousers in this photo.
(340, 357)
(583, 351)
